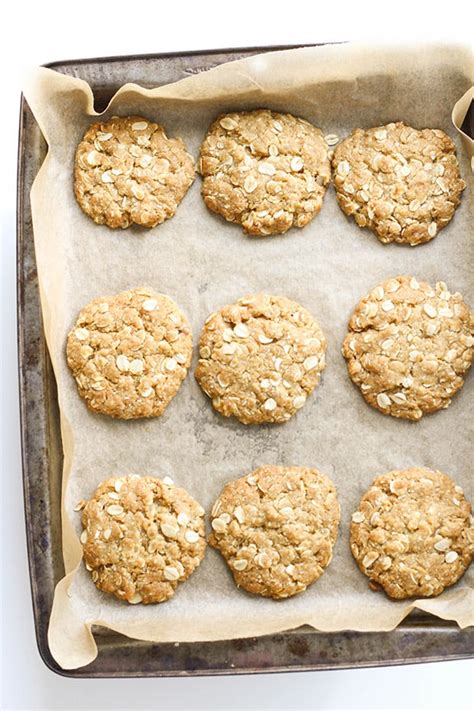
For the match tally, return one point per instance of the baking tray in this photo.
(419, 638)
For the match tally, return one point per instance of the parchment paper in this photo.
(203, 262)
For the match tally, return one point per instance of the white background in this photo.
(39, 32)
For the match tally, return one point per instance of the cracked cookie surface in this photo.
(264, 170)
(409, 346)
(412, 533)
(127, 171)
(402, 183)
(141, 537)
(129, 353)
(260, 358)
(276, 529)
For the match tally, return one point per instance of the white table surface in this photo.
(59, 30)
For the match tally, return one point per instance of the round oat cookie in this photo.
(409, 346)
(276, 529)
(260, 358)
(264, 170)
(127, 171)
(129, 353)
(401, 183)
(412, 533)
(142, 537)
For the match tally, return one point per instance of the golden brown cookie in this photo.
(141, 538)
(402, 183)
(276, 529)
(412, 533)
(264, 170)
(260, 358)
(409, 346)
(127, 171)
(129, 353)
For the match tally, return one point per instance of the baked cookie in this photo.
(260, 358)
(141, 538)
(276, 529)
(129, 353)
(127, 171)
(264, 170)
(402, 183)
(409, 346)
(412, 533)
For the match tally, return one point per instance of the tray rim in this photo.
(408, 624)
(177, 54)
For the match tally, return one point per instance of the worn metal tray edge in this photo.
(206, 53)
(419, 638)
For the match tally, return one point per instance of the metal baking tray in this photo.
(419, 638)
